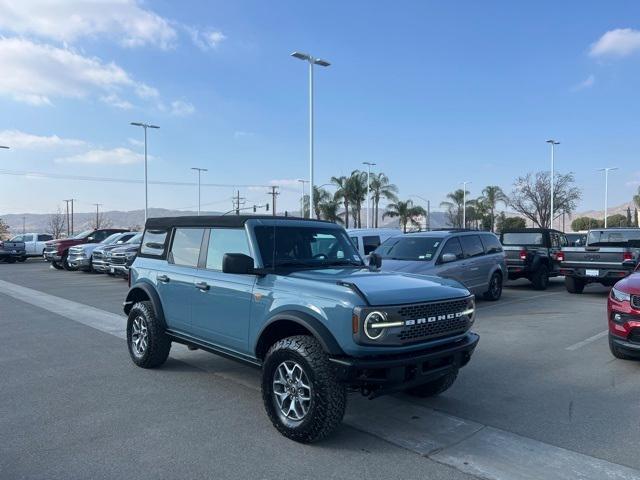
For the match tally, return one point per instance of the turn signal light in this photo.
(523, 254)
(627, 256)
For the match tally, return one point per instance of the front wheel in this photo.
(300, 392)
(435, 387)
(495, 288)
(574, 285)
(66, 265)
(56, 265)
(148, 344)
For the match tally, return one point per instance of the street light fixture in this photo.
(199, 170)
(606, 189)
(4, 146)
(302, 182)
(146, 184)
(464, 204)
(369, 165)
(553, 144)
(323, 63)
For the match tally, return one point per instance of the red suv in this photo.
(623, 313)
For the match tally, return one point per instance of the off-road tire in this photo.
(65, 264)
(617, 352)
(158, 344)
(540, 279)
(495, 290)
(328, 396)
(574, 285)
(435, 387)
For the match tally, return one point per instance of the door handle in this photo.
(203, 286)
(163, 278)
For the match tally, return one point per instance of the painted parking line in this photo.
(468, 446)
(587, 341)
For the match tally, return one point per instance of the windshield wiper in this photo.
(294, 263)
(345, 261)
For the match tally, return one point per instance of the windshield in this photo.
(137, 238)
(82, 235)
(297, 246)
(522, 238)
(111, 238)
(613, 238)
(409, 248)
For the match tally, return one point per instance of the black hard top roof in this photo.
(218, 220)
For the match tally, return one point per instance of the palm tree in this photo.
(406, 213)
(492, 195)
(342, 195)
(380, 187)
(320, 196)
(454, 207)
(636, 200)
(358, 192)
(330, 211)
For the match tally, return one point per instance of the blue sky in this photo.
(433, 92)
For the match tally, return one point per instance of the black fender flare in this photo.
(315, 326)
(151, 293)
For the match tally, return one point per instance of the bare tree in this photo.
(4, 229)
(56, 224)
(531, 196)
(100, 221)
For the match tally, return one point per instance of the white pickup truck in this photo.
(33, 243)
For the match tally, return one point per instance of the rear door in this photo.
(477, 264)
(176, 283)
(222, 302)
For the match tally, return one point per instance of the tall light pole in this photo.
(97, 215)
(4, 146)
(146, 184)
(464, 204)
(606, 189)
(302, 182)
(323, 63)
(369, 165)
(199, 170)
(553, 144)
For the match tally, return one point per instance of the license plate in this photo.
(14, 251)
(592, 273)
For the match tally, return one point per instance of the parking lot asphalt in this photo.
(542, 380)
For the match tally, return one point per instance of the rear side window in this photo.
(370, 243)
(452, 246)
(491, 244)
(471, 245)
(153, 243)
(44, 238)
(185, 249)
(225, 240)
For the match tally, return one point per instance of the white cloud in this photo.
(27, 141)
(115, 101)
(181, 108)
(35, 73)
(69, 20)
(586, 83)
(620, 42)
(238, 134)
(207, 39)
(114, 156)
(135, 142)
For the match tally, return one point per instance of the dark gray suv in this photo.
(475, 259)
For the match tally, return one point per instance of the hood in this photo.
(407, 266)
(386, 288)
(66, 241)
(631, 284)
(126, 248)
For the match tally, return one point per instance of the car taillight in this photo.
(627, 256)
(523, 254)
(560, 256)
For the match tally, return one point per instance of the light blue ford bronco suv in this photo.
(294, 298)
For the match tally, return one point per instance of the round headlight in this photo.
(371, 319)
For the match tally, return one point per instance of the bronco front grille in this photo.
(431, 321)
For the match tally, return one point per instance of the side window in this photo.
(491, 244)
(370, 243)
(452, 246)
(18, 238)
(185, 249)
(153, 243)
(28, 238)
(354, 240)
(44, 238)
(471, 246)
(225, 240)
(100, 235)
(563, 241)
(125, 238)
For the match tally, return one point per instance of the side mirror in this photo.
(375, 260)
(90, 239)
(238, 263)
(448, 258)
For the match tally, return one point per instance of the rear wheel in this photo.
(540, 279)
(574, 285)
(495, 288)
(300, 392)
(435, 387)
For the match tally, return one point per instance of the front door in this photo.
(477, 264)
(222, 307)
(453, 270)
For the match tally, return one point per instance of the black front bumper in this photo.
(392, 373)
(630, 348)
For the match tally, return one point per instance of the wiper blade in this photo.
(294, 263)
(345, 262)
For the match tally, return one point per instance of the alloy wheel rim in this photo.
(139, 335)
(292, 390)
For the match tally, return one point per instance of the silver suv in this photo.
(475, 259)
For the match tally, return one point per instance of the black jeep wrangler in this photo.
(531, 253)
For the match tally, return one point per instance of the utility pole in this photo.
(199, 170)
(237, 200)
(553, 173)
(23, 225)
(68, 223)
(274, 193)
(72, 231)
(97, 215)
(369, 165)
